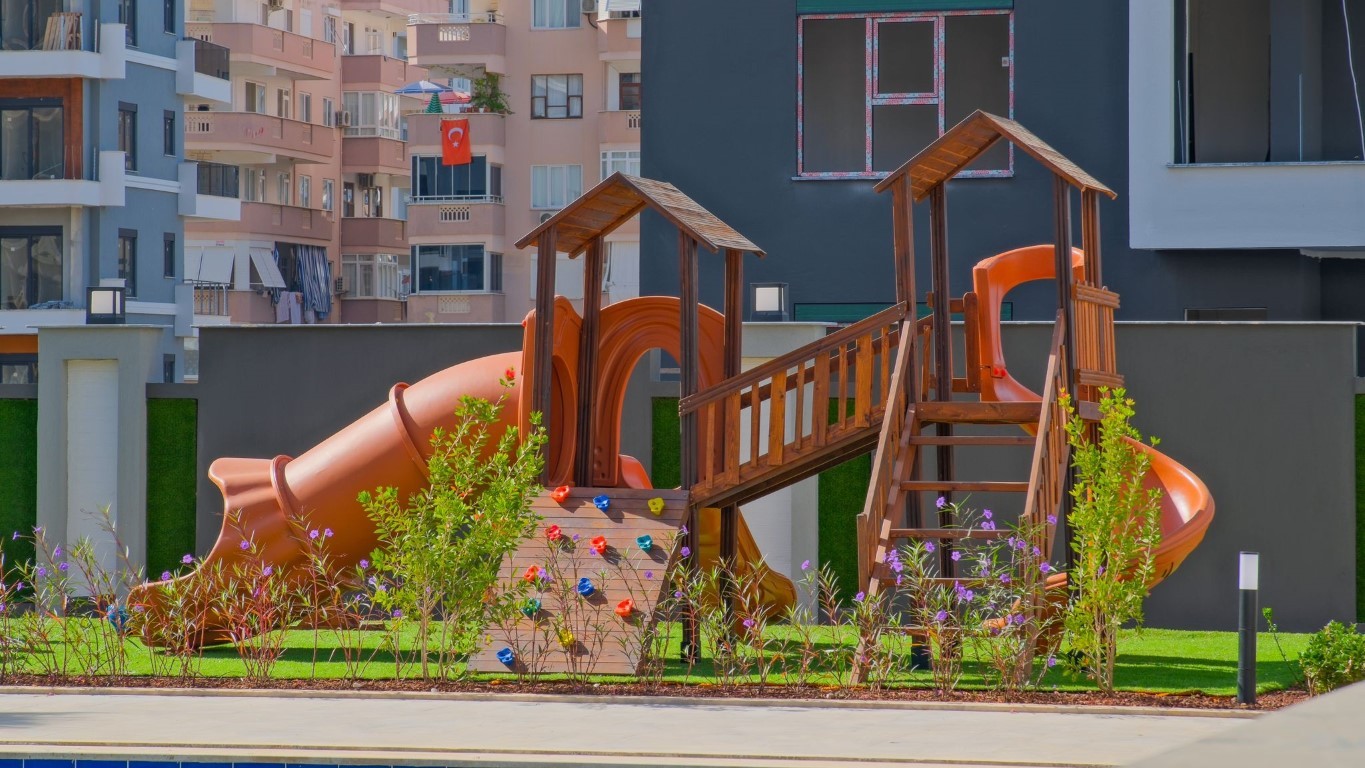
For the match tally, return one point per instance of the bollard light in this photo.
(1248, 581)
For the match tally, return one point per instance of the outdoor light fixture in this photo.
(769, 301)
(1248, 582)
(104, 305)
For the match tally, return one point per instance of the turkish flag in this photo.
(455, 144)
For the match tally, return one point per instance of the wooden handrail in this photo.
(894, 453)
(1051, 450)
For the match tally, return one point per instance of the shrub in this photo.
(1335, 656)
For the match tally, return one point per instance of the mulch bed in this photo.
(1267, 701)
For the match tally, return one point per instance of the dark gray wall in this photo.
(730, 143)
(271, 390)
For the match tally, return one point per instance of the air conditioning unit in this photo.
(340, 286)
(344, 118)
(544, 217)
(590, 6)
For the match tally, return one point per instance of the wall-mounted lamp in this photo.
(104, 305)
(769, 301)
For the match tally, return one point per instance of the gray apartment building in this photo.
(93, 187)
(1231, 130)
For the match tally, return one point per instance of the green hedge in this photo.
(667, 440)
(171, 476)
(18, 476)
(1360, 507)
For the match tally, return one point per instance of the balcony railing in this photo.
(251, 131)
(218, 180)
(262, 45)
(469, 44)
(211, 59)
(487, 17)
(211, 299)
(60, 31)
(619, 127)
(435, 199)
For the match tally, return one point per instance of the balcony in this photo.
(486, 130)
(262, 50)
(252, 138)
(378, 73)
(102, 187)
(268, 221)
(101, 56)
(202, 71)
(464, 45)
(396, 8)
(373, 235)
(618, 40)
(374, 154)
(456, 217)
(209, 191)
(621, 127)
(457, 308)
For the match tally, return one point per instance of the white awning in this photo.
(208, 265)
(266, 269)
(623, 5)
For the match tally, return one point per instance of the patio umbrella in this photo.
(454, 97)
(422, 86)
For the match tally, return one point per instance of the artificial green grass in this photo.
(1153, 661)
(667, 442)
(171, 474)
(1360, 507)
(842, 492)
(18, 477)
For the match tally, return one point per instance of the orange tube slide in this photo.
(1186, 504)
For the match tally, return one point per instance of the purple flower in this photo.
(18, 585)
(1004, 578)
(683, 531)
(398, 613)
(243, 545)
(858, 598)
(3, 607)
(373, 581)
(941, 616)
(382, 588)
(898, 579)
(575, 537)
(941, 503)
(313, 534)
(269, 569)
(1021, 545)
(805, 565)
(1037, 551)
(649, 575)
(57, 552)
(41, 571)
(986, 513)
(956, 556)
(1101, 571)
(165, 575)
(187, 559)
(678, 594)
(1045, 567)
(64, 567)
(969, 595)
(929, 546)
(988, 526)
(748, 623)
(1010, 541)
(364, 564)
(1052, 520)
(1019, 619)
(686, 552)
(327, 533)
(15, 537)
(1051, 662)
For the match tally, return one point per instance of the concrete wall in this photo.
(271, 390)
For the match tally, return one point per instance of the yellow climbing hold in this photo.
(656, 505)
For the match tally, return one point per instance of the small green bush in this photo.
(1335, 656)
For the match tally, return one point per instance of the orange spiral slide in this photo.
(1186, 504)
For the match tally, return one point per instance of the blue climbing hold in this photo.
(602, 502)
(585, 587)
(646, 542)
(507, 657)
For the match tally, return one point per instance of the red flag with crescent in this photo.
(455, 144)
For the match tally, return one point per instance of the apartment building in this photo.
(568, 72)
(93, 189)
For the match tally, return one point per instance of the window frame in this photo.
(492, 190)
(33, 153)
(548, 204)
(168, 145)
(872, 98)
(127, 262)
(383, 269)
(492, 269)
(127, 16)
(32, 233)
(572, 13)
(168, 16)
(612, 157)
(569, 96)
(168, 255)
(127, 136)
(328, 194)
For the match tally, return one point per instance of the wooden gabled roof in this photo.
(619, 197)
(967, 140)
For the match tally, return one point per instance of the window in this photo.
(372, 114)
(306, 107)
(476, 182)
(127, 15)
(328, 187)
(328, 112)
(253, 185)
(24, 23)
(555, 186)
(285, 190)
(624, 161)
(127, 134)
(167, 369)
(457, 268)
(283, 101)
(929, 71)
(18, 369)
(329, 28)
(30, 266)
(630, 90)
(370, 276)
(555, 14)
(556, 96)
(32, 142)
(168, 16)
(255, 97)
(347, 38)
(168, 256)
(168, 133)
(306, 191)
(127, 260)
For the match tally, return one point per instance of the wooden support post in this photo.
(734, 335)
(1090, 237)
(943, 345)
(1061, 196)
(585, 469)
(903, 243)
(690, 353)
(545, 318)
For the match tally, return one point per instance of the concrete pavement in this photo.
(521, 731)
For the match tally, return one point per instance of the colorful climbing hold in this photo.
(118, 616)
(561, 493)
(553, 533)
(531, 607)
(645, 542)
(566, 638)
(625, 608)
(585, 587)
(656, 505)
(599, 545)
(532, 573)
(602, 502)
(507, 656)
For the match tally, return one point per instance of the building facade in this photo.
(1230, 129)
(93, 188)
(571, 84)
